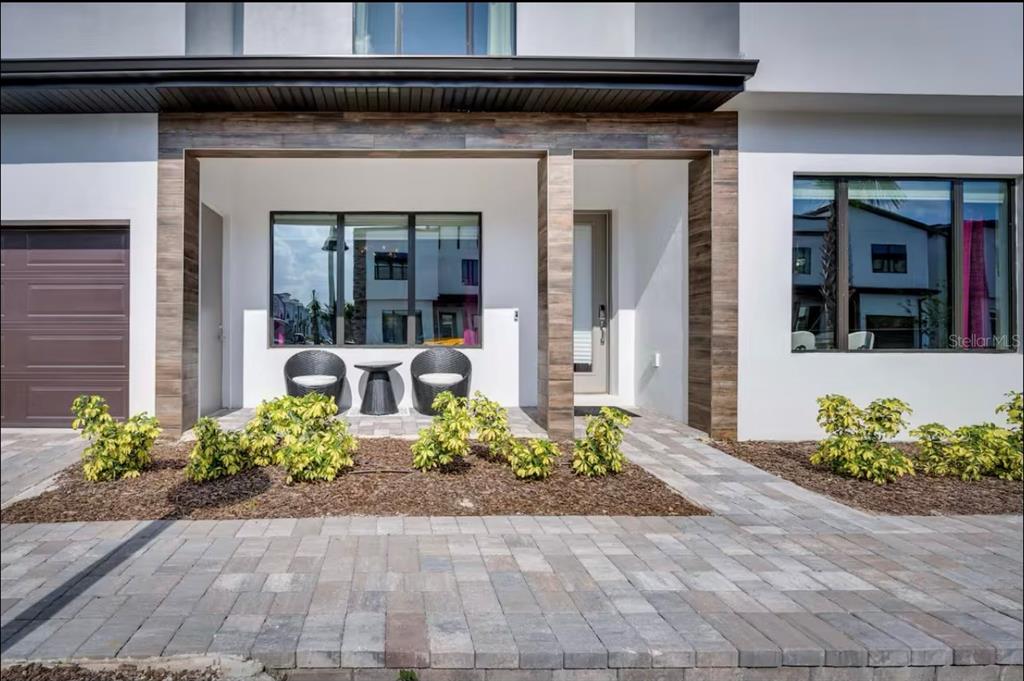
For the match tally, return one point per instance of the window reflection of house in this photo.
(899, 275)
(445, 275)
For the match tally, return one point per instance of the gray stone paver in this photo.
(779, 576)
(31, 457)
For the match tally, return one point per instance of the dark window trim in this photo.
(842, 322)
(892, 254)
(411, 281)
(469, 32)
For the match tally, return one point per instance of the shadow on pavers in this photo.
(50, 604)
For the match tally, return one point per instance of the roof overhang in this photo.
(369, 83)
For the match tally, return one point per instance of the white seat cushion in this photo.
(439, 380)
(315, 380)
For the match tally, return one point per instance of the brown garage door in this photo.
(64, 321)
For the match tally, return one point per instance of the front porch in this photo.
(664, 337)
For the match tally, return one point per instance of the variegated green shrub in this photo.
(600, 453)
(1010, 462)
(301, 435)
(491, 422)
(116, 450)
(217, 453)
(447, 437)
(318, 452)
(857, 445)
(970, 452)
(533, 460)
(278, 418)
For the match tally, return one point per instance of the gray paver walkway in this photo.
(30, 457)
(778, 577)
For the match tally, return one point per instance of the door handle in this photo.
(602, 320)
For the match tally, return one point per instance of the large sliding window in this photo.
(902, 264)
(401, 279)
(434, 28)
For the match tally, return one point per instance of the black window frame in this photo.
(472, 267)
(387, 262)
(893, 254)
(842, 205)
(410, 281)
(806, 270)
(469, 33)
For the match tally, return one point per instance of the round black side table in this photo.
(378, 397)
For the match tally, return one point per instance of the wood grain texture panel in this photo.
(554, 285)
(713, 293)
(708, 139)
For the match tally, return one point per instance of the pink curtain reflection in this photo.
(975, 285)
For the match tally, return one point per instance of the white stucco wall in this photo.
(91, 29)
(648, 205)
(93, 167)
(504, 191)
(963, 48)
(575, 29)
(777, 388)
(297, 28)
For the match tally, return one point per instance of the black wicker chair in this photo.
(315, 363)
(439, 361)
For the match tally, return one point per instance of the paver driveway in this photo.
(30, 457)
(780, 577)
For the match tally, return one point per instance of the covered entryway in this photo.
(65, 321)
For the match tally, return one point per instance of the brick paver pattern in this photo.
(779, 576)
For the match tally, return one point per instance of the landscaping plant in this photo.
(1010, 462)
(216, 453)
(532, 460)
(491, 422)
(600, 453)
(116, 450)
(301, 435)
(970, 452)
(275, 419)
(318, 452)
(447, 437)
(856, 444)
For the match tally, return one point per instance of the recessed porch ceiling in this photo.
(395, 84)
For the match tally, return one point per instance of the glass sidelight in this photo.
(590, 303)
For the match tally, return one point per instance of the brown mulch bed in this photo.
(74, 672)
(382, 482)
(910, 495)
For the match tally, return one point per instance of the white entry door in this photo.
(590, 303)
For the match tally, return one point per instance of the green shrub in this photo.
(116, 450)
(491, 422)
(970, 452)
(278, 418)
(1010, 461)
(599, 452)
(318, 451)
(856, 446)
(216, 453)
(447, 437)
(532, 460)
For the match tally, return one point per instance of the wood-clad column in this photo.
(177, 298)
(554, 291)
(713, 293)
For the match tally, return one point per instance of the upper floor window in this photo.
(902, 264)
(889, 258)
(436, 28)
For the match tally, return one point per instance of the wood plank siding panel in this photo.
(554, 291)
(707, 139)
(713, 293)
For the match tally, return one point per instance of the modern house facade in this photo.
(714, 211)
